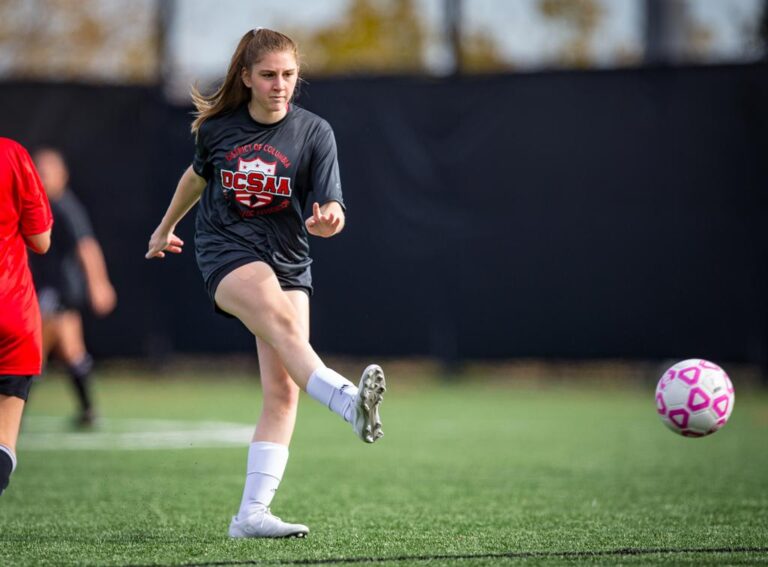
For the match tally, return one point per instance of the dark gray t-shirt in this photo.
(60, 268)
(260, 178)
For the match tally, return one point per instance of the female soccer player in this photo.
(259, 158)
(73, 274)
(25, 222)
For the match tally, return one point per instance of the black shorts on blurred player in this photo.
(53, 301)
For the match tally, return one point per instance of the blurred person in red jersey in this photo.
(71, 278)
(25, 222)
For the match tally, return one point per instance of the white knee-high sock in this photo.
(266, 465)
(333, 390)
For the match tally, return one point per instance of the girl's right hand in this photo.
(161, 242)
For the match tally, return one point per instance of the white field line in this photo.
(51, 434)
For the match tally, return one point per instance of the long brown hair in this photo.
(232, 93)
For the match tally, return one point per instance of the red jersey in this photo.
(24, 211)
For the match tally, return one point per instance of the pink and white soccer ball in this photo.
(695, 397)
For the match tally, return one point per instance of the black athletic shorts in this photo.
(290, 276)
(17, 386)
(53, 301)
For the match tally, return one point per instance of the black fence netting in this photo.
(572, 214)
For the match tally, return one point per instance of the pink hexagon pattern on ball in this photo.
(697, 399)
(720, 405)
(721, 422)
(708, 364)
(679, 417)
(661, 407)
(690, 375)
(666, 379)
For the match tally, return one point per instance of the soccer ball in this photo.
(694, 397)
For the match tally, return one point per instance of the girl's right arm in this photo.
(188, 192)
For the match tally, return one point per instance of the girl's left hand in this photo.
(325, 221)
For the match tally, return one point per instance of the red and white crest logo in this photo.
(247, 196)
(254, 183)
(257, 164)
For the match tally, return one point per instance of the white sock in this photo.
(266, 465)
(7, 451)
(333, 390)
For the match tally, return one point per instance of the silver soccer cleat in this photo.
(367, 423)
(264, 524)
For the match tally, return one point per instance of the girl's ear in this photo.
(246, 77)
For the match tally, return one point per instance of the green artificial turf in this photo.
(468, 473)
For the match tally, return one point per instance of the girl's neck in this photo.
(263, 117)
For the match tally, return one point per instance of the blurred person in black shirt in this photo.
(72, 277)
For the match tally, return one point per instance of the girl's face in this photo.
(272, 82)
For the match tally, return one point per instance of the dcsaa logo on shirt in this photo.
(255, 183)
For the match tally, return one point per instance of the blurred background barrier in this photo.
(538, 178)
(567, 214)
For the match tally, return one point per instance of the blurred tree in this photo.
(581, 19)
(699, 39)
(475, 51)
(385, 36)
(373, 36)
(480, 54)
(83, 40)
(679, 31)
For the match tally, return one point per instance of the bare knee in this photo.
(286, 329)
(281, 396)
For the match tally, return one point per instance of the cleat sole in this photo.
(370, 395)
